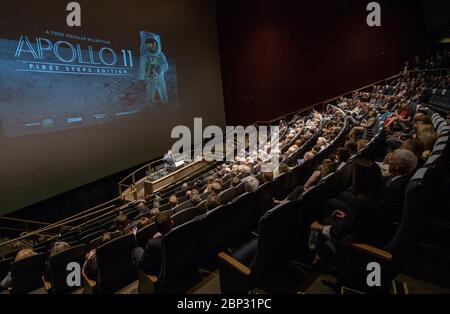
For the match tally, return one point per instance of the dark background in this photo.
(278, 56)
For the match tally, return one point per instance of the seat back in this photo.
(418, 194)
(58, 263)
(27, 274)
(299, 175)
(274, 246)
(89, 231)
(183, 206)
(282, 186)
(145, 234)
(215, 231)
(184, 216)
(244, 216)
(115, 264)
(264, 199)
(5, 267)
(227, 195)
(179, 256)
(89, 237)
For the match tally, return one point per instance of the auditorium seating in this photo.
(252, 242)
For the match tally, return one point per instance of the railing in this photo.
(132, 189)
(75, 221)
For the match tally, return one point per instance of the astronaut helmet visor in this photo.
(151, 45)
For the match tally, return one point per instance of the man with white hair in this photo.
(402, 165)
(251, 184)
(322, 142)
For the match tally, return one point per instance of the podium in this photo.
(152, 186)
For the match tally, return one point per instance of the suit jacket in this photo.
(365, 221)
(150, 262)
(168, 161)
(395, 195)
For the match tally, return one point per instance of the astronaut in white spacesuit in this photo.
(152, 67)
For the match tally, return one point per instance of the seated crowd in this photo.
(368, 210)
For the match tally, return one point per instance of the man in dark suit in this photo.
(169, 162)
(402, 164)
(148, 259)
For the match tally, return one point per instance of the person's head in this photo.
(352, 147)
(106, 238)
(414, 145)
(121, 222)
(427, 135)
(198, 184)
(184, 187)
(169, 152)
(151, 45)
(328, 166)
(402, 162)
(367, 178)
(143, 222)
(196, 199)
(360, 144)
(308, 156)
(267, 176)
(235, 181)
(212, 201)
(216, 187)
(210, 180)
(157, 201)
(141, 206)
(251, 184)
(23, 254)
(163, 223)
(342, 154)
(153, 212)
(321, 141)
(245, 170)
(188, 194)
(58, 247)
(173, 200)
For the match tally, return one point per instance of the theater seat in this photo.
(89, 237)
(179, 257)
(115, 265)
(182, 206)
(27, 274)
(57, 266)
(184, 216)
(214, 233)
(259, 261)
(227, 195)
(352, 258)
(5, 267)
(145, 234)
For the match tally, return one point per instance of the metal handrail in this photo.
(24, 220)
(74, 218)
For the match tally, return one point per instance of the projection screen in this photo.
(78, 103)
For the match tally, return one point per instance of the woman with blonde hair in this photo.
(427, 134)
(7, 282)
